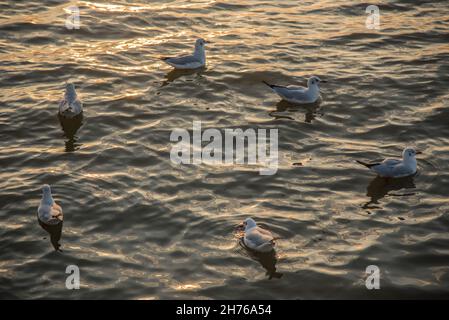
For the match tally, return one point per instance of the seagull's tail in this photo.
(164, 58)
(270, 85)
(368, 165)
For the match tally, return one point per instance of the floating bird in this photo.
(299, 95)
(395, 168)
(194, 61)
(50, 216)
(49, 212)
(256, 238)
(70, 106)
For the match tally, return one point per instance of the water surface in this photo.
(141, 227)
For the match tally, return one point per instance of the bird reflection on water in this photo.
(311, 110)
(55, 232)
(70, 128)
(380, 187)
(178, 73)
(267, 260)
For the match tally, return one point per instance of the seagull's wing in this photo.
(297, 89)
(259, 240)
(77, 106)
(56, 215)
(386, 163)
(388, 167)
(44, 212)
(400, 170)
(63, 104)
(288, 93)
(182, 60)
(391, 162)
(258, 237)
(56, 211)
(383, 170)
(265, 232)
(50, 214)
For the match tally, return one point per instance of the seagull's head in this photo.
(314, 81)
(46, 189)
(249, 223)
(409, 153)
(70, 90)
(200, 43)
(70, 87)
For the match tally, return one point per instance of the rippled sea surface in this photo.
(141, 227)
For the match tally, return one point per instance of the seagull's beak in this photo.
(207, 41)
(242, 225)
(324, 81)
(418, 152)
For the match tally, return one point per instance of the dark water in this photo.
(140, 227)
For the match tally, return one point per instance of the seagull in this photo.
(49, 212)
(256, 238)
(395, 168)
(70, 106)
(194, 61)
(299, 95)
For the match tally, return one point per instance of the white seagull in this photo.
(194, 61)
(70, 106)
(256, 238)
(49, 212)
(297, 94)
(395, 168)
